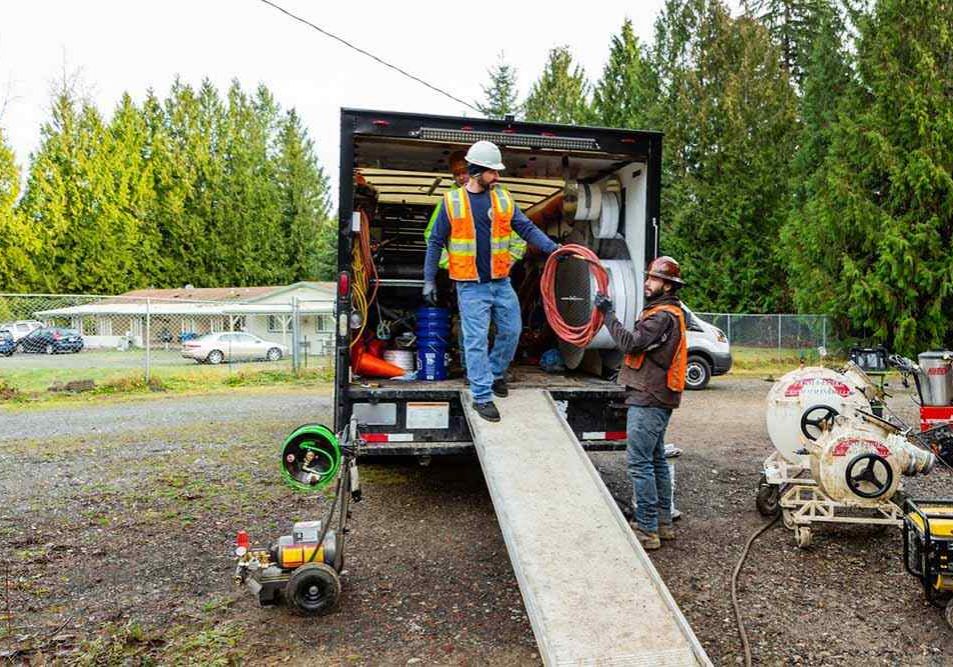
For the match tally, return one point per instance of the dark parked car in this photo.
(7, 346)
(51, 340)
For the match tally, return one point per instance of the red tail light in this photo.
(344, 284)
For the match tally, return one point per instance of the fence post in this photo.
(824, 331)
(295, 333)
(148, 338)
(730, 339)
(779, 338)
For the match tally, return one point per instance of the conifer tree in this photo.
(561, 94)
(500, 93)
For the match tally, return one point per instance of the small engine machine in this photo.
(928, 549)
(302, 570)
(835, 460)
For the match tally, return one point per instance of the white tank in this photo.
(860, 464)
(800, 390)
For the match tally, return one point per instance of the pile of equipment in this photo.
(835, 459)
(302, 570)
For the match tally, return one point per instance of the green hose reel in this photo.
(310, 458)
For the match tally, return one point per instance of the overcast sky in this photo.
(132, 46)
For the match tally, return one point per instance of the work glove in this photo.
(561, 258)
(603, 303)
(430, 293)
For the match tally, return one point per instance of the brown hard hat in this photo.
(666, 268)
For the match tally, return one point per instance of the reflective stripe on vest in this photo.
(675, 379)
(462, 245)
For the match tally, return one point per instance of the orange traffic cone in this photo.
(368, 365)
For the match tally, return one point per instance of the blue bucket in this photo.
(433, 338)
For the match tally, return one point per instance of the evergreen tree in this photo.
(561, 94)
(500, 94)
(871, 244)
(304, 212)
(794, 24)
(18, 243)
(730, 125)
(627, 94)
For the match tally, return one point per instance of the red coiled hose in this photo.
(580, 335)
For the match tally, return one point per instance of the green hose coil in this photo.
(310, 458)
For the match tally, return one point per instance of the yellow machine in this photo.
(928, 549)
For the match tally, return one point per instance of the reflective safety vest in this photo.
(462, 244)
(676, 372)
(517, 244)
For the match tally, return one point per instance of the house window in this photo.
(323, 323)
(279, 323)
(237, 322)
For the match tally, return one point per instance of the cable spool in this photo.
(310, 458)
(572, 317)
(589, 204)
(606, 224)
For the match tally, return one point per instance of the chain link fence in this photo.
(783, 337)
(52, 341)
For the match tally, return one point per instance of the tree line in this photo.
(807, 153)
(808, 147)
(199, 187)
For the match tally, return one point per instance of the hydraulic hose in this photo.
(578, 335)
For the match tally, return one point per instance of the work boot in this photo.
(499, 388)
(649, 541)
(487, 410)
(666, 531)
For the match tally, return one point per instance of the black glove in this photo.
(561, 258)
(430, 293)
(603, 303)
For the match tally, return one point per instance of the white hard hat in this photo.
(486, 154)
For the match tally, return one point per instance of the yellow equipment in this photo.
(928, 549)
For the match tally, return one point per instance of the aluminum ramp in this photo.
(591, 593)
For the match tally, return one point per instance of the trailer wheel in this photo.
(803, 536)
(768, 500)
(313, 590)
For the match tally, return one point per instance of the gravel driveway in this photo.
(117, 523)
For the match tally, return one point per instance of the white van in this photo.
(709, 352)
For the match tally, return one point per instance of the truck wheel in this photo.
(697, 373)
(313, 590)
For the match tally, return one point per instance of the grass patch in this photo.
(769, 361)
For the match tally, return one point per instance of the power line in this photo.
(370, 55)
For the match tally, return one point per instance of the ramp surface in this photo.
(592, 595)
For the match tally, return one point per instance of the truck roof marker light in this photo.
(509, 130)
(344, 284)
(627, 140)
(467, 128)
(547, 134)
(380, 123)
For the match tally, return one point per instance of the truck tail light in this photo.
(344, 284)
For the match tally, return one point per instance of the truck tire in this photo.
(697, 373)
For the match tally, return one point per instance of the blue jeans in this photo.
(481, 303)
(645, 457)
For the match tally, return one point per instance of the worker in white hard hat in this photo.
(475, 225)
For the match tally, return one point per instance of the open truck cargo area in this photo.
(394, 171)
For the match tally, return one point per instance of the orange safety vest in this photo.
(676, 372)
(461, 246)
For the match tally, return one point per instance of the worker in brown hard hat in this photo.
(656, 355)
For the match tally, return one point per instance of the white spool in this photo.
(607, 224)
(622, 288)
(405, 359)
(589, 204)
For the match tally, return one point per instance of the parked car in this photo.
(7, 344)
(231, 346)
(709, 352)
(21, 328)
(51, 340)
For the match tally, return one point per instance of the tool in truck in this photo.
(592, 188)
(475, 225)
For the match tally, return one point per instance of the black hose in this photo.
(734, 589)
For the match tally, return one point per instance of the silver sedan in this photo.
(232, 346)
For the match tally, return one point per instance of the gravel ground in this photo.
(117, 521)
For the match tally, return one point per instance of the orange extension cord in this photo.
(580, 335)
